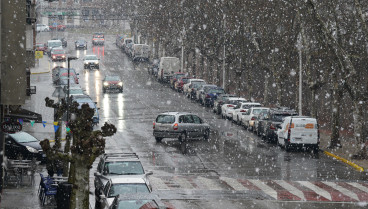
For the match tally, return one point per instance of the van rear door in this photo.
(304, 131)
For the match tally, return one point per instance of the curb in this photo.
(357, 167)
(41, 72)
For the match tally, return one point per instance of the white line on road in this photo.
(342, 190)
(209, 183)
(234, 184)
(183, 183)
(321, 192)
(265, 188)
(158, 184)
(359, 186)
(290, 188)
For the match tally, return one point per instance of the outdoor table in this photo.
(23, 169)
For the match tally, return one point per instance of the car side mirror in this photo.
(149, 173)
(97, 174)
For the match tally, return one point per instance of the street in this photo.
(233, 169)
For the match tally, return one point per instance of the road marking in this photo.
(265, 188)
(359, 186)
(316, 189)
(290, 188)
(234, 184)
(158, 183)
(344, 191)
(209, 183)
(183, 183)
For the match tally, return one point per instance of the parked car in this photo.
(242, 108)
(122, 185)
(140, 52)
(64, 42)
(179, 125)
(22, 145)
(81, 44)
(189, 88)
(53, 44)
(201, 90)
(129, 49)
(153, 70)
(112, 82)
(117, 164)
(85, 99)
(91, 62)
(174, 78)
(141, 201)
(167, 67)
(125, 44)
(98, 38)
(268, 122)
(42, 28)
(58, 54)
(119, 40)
(63, 81)
(58, 27)
(220, 101)
(74, 90)
(248, 118)
(58, 72)
(179, 85)
(227, 108)
(41, 47)
(298, 131)
(210, 95)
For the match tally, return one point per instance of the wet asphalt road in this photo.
(208, 168)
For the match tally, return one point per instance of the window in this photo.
(165, 119)
(117, 189)
(124, 168)
(196, 119)
(106, 188)
(188, 119)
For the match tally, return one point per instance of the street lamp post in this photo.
(300, 47)
(67, 109)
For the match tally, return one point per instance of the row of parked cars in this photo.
(121, 182)
(280, 125)
(137, 52)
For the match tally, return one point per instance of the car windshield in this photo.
(58, 51)
(112, 78)
(132, 204)
(247, 106)
(64, 80)
(23, 137)
(117, 189)
(98, 36)
(257, 111)
(279, 117)
(54, 44)
(124, 168)
(81, 41)
(165, 119)
(216, 91)
(76, 91)
(91, 57)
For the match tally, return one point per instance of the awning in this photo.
(23, 114)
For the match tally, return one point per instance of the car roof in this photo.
(250, 103)
(256, 108)
(175, 113)
(120, 156)
(137, 196)
(50, 41)
(196, 79)
(127, 180)
(237, 98)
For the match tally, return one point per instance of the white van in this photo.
(298, 131)
(140, 52)
(168, 65)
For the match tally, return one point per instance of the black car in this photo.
(81, 44)
(22, 145)
(112, 82)
(268, 122)
(63, 41)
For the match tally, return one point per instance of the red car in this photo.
(179, 85)
(41, 47)
(58, 27)
(71, 74)
(58, 54)
(176, 76)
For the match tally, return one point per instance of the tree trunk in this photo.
(335, 119)
(358, 129)
(266, 90)
(278, 91)
(80, 191)
(313, 103)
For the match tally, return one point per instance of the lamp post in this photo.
(67, 109)
(300, 47)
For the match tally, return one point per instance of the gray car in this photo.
(179, 125)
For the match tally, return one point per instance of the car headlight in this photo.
(86, 62)
(120, 83)
(96, 62)
(106, 84)
(63, 56)
(31, 149)
(54, 57)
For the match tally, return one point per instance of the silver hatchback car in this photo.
(179, 125)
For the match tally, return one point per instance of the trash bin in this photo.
(63, 195)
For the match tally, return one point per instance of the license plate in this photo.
(43, 155)
(297, 139)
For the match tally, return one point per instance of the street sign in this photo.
(39, 54)
(11, 127)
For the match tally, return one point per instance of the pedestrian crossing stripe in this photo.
(274, 189)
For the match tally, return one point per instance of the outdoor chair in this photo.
(47, 190)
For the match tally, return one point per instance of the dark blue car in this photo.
(211, 95)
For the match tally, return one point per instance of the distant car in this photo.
(58, 54)
(74, 90)
(227, 109)
(112, 82)
(122, 185)
(179, 85)
(22, 145)
(63, 80)
(201, 90)
(81, 44)
(189, 88)
(53, 44)
(125, 44)
(298, 131)
(129, 49)
(59, 71)
(42, 28)
(179, 125)
(98, 38)
(41, 47)
(64, 42)
(58, 27)
(210, 95)
(175, 77)
(220, 101)
(91, 61)
(117, 164)
(140, 52)
(119, 40)
(243, 108)
(248, 118)
(141, 201)
(154, 68)
(85, 99)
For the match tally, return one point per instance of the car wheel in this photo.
(158, 139)
(121, 90)
(104, 90)
(287, 147)
(182, 137)
(315, 149)
(278, 143)
(206, 135)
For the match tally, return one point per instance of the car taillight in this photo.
(272, 127)
(94, 39)
(243, 111)
(289, 132)
(154, 125)
(253, 118)
(175, 126)
(230, 105)
(208, 96)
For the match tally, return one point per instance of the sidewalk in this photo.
(345, 153)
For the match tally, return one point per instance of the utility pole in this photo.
(182, 50)
(224, 58)
(300, 46)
